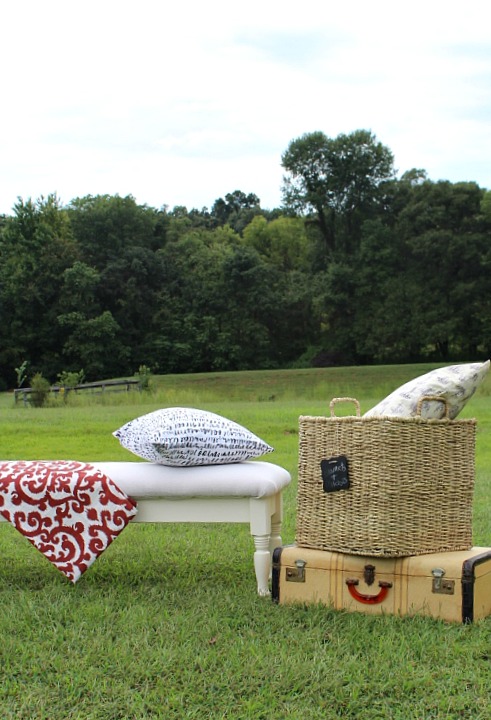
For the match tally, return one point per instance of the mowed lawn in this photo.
(167, 623)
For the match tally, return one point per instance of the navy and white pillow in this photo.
(183, 437)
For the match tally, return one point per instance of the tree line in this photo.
(357, 266)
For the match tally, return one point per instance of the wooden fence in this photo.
(94, 387)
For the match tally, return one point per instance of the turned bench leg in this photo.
(262, 563)
(266, 519)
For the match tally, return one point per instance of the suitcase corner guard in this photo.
(275, 575)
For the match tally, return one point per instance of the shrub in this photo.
(40, 390)
(70, 379)
(144, 375)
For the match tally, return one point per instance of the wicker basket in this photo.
(410, 491)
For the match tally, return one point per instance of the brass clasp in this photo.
(441, 586)
(296, 574)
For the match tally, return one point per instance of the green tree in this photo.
(79, 290)
(130, 288)
(104, 226)
(237, 210)
(119, 240)
(84, 322)
(190, 331)
(414, 286)
(383, 328)
(443, 230)
(283, 241)
(486, 205)
(223, 307)
(95, 344)
(36, 247)
(336, 183)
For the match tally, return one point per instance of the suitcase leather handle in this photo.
(369, 599)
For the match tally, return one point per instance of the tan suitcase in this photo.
(452, 586)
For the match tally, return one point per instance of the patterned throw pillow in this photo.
(455, 383)
(185, 436)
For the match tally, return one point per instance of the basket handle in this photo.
(345, 399)
(436, 398)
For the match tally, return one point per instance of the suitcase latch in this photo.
(369, 574)
(441, 586)
(296, 574)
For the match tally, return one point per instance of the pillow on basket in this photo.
(455, 384)
(184, 436)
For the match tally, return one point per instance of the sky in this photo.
(181, 103)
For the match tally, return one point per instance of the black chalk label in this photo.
(335, 473)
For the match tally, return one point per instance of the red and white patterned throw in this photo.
(68, 510)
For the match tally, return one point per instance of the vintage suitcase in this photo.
(453, 586)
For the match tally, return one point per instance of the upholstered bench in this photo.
(246, 492)
(198, 467)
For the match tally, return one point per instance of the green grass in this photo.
(167, 623)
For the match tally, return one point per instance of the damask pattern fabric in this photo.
(183, 437)
(455, 384)
(68, 510)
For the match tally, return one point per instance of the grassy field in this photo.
(167, 623)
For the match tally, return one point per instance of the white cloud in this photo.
(181, 104)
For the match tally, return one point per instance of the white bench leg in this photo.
(266, 515)
(262, 563)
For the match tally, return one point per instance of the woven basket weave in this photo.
(411, 484)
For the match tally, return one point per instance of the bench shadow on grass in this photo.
(168, 558)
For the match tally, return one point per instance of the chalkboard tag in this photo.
(335, 473)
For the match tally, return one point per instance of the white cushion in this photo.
(182, 437)
(143, 480)
(455, 384)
